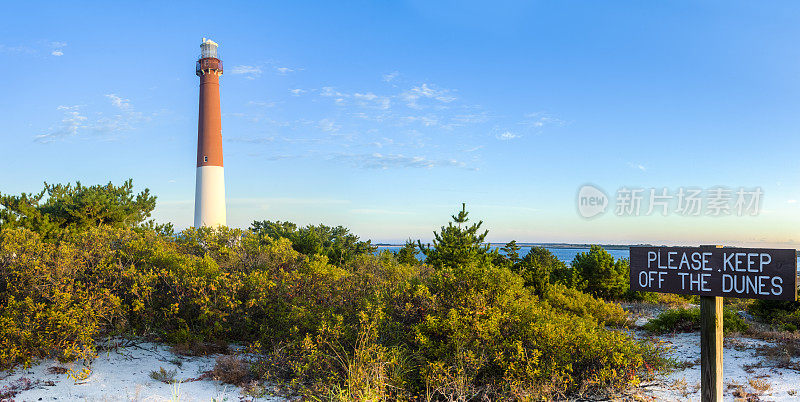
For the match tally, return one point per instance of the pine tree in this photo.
(456, 245)
(76, 207)
(511, 251)
(408, 253)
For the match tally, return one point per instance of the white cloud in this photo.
(250, 72)
(426, 91)
(297, 91)
(330, 91)
(388, 161)
(328, 125)
(473, 149)
(262, 103)
(791, 201)
(284, 70)
(541, 119)
(391, 76)
(74, 122)
(58, 48)
(637, 166)
(123, 104)
(506, 136)
(254, 140)
(370, 99)
(69, 125)
(427, 121)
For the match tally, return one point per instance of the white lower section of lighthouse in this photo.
(209, 197)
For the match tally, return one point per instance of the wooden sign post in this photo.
(713, 273)
(711, 348)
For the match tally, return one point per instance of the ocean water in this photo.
(563, 254)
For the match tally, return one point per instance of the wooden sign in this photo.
(752, 273)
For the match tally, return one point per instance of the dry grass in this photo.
(740, 393)
(672, 300)
(686, 364)
(57, 370)
(759, 384)
(201, 349)
(232, 369)
(165, 376)
(680, 386)
(751, 368)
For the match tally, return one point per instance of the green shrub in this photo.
(586, 306)
(54, 298)
(364, 327)
(599, 274)
(688, 320)
(539, 269)
(336, 243)
(784, 314)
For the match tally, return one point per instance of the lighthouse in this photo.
(209, 197)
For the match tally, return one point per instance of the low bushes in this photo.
(688, 320)
(783, 314)
(366, 327)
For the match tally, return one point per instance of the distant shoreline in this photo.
(546, 245)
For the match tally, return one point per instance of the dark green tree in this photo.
(599, 274)
(456, 245)
(511, 251)
(337, 243)
(76, 207)
(539, 269)
(408, 253)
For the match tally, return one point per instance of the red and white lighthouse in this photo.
(209, 198)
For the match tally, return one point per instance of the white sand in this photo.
(124, 375)
(684, 385)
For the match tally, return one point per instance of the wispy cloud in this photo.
(16, 49)
(284, 70)
(391, 76)
(328, 125)
(54, 48)
(389, 161)
(252, 140)
(297, 91)
(637, 166)
(425, 91)
(330, 92)
(108, 126)
(249, 72)
(507, 135)
(540, 120)
(57, 48)
(370, 99)
(262, 103)
(123, 104)
(69, 125)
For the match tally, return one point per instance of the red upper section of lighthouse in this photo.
(209, 124)
(208, 64)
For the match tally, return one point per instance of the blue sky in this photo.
(385, 116)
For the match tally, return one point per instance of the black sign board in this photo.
(752, 273)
